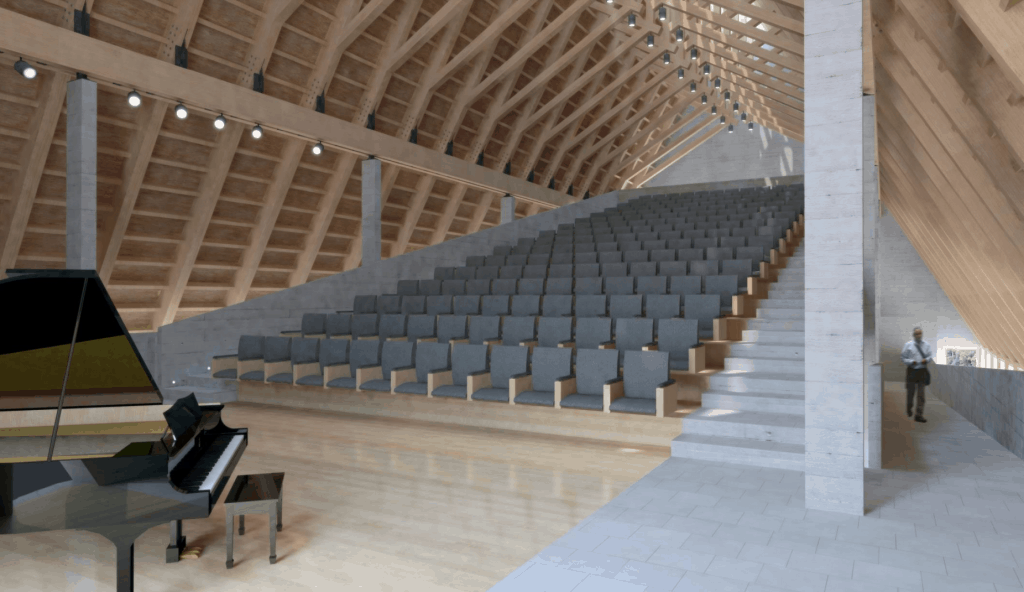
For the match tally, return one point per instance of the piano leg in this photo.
(241, 524)
(280, 512)
(274, 517)
(230, 537)
(177, 544)
(126, 566)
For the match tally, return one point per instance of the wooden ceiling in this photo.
(192, 219)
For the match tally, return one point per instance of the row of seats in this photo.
(647, 284)
(515, 374)
(682, 266)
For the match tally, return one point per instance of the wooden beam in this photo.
(707, 135)
(734, 44)
(275, 13)
(381, 75)
(451, 207)
(617, 131)
(322, 219)
(104, 62)
(53, 91)
(1008, 4)
(775, 20)
(448, 13)
(284, 172)
(628, 144)
(1000, 31)
(747, 30)
(218, 165)
(111, 234)
(481, 212)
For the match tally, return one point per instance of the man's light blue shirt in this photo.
(912, 358)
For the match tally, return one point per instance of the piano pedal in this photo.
(192, 553)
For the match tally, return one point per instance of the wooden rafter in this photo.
(322, 220)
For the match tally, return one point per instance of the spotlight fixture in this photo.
(736, 107)
(667, 58)
(662, 13)
(680, 73)
(750, 126)
(730, 128)
(727, 96)
(743, 117)
(718, 84)
(714, 109)
(693, 86)
(703, 99)
(318, 148)
(707, 69)
(650, 41)
(25, 69)
(693, 53)
(180, 111)
(722, 120)
(610, 1)
(220, 122)
(679, 35)
(134, 99)
(257, 131)
(631, 20)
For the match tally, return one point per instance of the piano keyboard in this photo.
(211, 466)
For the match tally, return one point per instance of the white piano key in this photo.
(222, 463)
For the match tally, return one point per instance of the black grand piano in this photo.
(64, 346)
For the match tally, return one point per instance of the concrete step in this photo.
(791, 273)
(776, 325)
(768, 382)
(782, 304)
(779, 313)
(775, 293)
(776, 455)
(764, 336)
(765, 402)
(753, 425)
(774, 365)
(762, 350)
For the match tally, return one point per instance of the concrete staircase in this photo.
(753, 412)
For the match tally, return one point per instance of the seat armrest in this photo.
(315, 336)
(614, 380)
(336, 371)
(400, 376)
(528, 343)
(398, 338)
(652, 346)
(613, 389)
(225, 362)
(477, 381)
(368, 337)
(607, 345)
(697, 359)
(297, 333)
(304, 370)
(569, 344)
(492, 341)
(436, 379)
(564, 387)
(225, 356)
(460, 340)
(366, 374)
(518, 384)
(245, 366)
(426, 340)
(666, 398)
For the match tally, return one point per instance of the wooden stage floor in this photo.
(371, 504)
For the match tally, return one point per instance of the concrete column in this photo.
(873, 381)
(834, 312)
(371, 211)
(508, 209)
(80, 245)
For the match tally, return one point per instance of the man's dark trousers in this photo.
(915, 378)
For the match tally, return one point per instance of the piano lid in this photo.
(40, 309)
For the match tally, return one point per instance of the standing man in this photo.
(916, 355)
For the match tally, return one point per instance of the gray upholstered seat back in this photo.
(554, 330)
(421, 326)
(588, 285)
(738, 267)
(506, 287)
(476, 261)
(609, 257)
(467, 359)
(438, 305)
(482, 328)
(591, 305)
(453, 287)
(277, 349)
(592, 332)
(444, 273)
(314, 323)
(643, 268)
(465, 273)
(754, 253)
(524, 305)
(334, 351)
(535, 271)
(651, 284)
(642, 372)
(392, 325)
(548, 365)
(703, 308)
(515, 330)
(364, 304)
(684, 284)
(451, 327)
(672, 268)
(429, 287)
(506, 362)
(389, 304)
(339, 324)
(431, 357)
(587, 270)
(594, 367)
(615, 269)
(723, 285)
(467, 305)
(704, 267)
(560, 286)
(363, 353)
(408, 288)
(636, 256)
(531, 286)
(396, 354)
(690, 255)
(511, 272)
(560, 271)
(633, 334)
(619, 285)
(305, 351)
(478, 287)
(625, 307)
(663, 306)
(412, 305)
(494, 305)
(720, 253)
(676, 337)
(557, 305)
(663, 255)
(487, 272)
(364, 324)
(250, 347)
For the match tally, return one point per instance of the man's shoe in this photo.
(920, 419)
(910, 413)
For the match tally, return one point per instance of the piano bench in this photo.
(254, 494)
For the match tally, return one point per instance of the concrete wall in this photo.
(741, 155)
(908, 297)
(628, 194)
(186, 346)
(993, 400)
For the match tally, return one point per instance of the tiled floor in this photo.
(946, 514)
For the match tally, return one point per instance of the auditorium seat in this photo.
(465, 273)
(684, 284)
(551, 371)
(494, 305)
(531, 286)
(392, 327)
(467, 305)
(591, 305)
(556, 305)
(594, 369)
(440, 305)
(516, 330)
(365, 326)
(625, 307)
(662, 306)
(506, 378)
(725, 286)
(588, 286)
(485, 330)
(429, 287)
(389, 304)
(313, 326)
(704, 309)
(676, 337)
(304, 358)
(339, 325)
(364, 361)
(647, 285)
(452, 329)
(412, 380)
(277, 359)
(466, 359)
(249, 358)
(478, 287)
(505, 287)
(645, 386)
(594, 333)
(634, 335)
(394, 355)
(364, 305)
(334, 364)
(412, 305)
(407, 288)
(524, 305)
